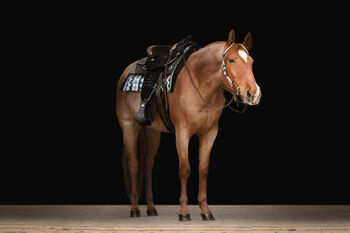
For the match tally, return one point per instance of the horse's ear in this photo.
(248, 41)
(231, 37)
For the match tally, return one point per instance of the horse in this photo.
(195, 106)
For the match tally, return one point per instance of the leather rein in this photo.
(232, 84)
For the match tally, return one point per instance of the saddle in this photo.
(162, 61)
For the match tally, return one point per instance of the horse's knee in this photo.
(133, 165)
(184, 170)
(203, 170)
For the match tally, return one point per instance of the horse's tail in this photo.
(141, 157)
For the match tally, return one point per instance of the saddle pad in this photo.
(134, 82)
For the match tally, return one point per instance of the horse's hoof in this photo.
(184, 217)
(152, 212)
(207, 217)
(135, 213)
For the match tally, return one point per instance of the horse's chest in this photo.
(203, 121)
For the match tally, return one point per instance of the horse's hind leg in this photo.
(130, 138)
(206, 142)
(152, 140)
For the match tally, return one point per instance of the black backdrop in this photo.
(291, 149)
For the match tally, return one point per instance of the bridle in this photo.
(225, 69)
(232, 84)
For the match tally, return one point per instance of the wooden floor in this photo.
(237, 218)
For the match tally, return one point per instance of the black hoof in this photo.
(152, 212)
(207, 217)
(184, 217)
(135, 213)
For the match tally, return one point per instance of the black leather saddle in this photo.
(161, 60)
(158, 56)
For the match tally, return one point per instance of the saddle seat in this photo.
(158, 50)
(158, 55)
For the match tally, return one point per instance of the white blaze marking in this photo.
(243, 55)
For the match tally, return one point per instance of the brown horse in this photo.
(195, 107)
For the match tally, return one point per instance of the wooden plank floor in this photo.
(229, 218)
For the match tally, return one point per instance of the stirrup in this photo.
(141, 117)
(144, 116)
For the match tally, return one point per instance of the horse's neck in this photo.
(207, 64)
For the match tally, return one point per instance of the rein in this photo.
(234, 95)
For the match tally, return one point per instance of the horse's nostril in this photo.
(249, 94)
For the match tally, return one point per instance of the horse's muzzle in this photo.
(252, 99)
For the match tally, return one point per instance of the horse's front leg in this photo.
(206, 142)
(182, 141)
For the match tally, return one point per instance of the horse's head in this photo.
(238, 70)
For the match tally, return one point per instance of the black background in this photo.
(60, 147)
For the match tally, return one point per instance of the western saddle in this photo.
(162, 61)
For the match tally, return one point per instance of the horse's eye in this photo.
(231, 60)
